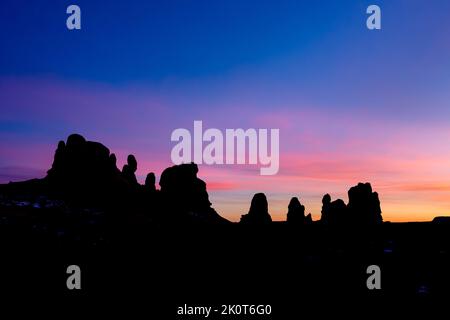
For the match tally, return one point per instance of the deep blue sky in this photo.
(149, 40)
(306, 44)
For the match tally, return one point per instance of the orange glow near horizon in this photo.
(322, 149)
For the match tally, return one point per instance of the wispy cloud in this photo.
(322, 149)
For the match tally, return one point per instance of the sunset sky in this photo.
(351, 104)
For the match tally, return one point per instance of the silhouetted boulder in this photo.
(113, 163)
(132, 163)
(333, 212)
(59, 158)
(363, 208)
(75, 141)
(296, 212)
(338, 212)
(259, 211)
(83, 171)
(150, 181)
(308, 219)
(128, 171)
(326, 209)
(185, 196)
(364, 205)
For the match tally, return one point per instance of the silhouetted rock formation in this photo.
(85, 174)
(296, 212)
(308, 219)
(333, 213)
(326, 209)
(364, 205)
(150, 181)
(185, 195)
(113, 164)
(128, 171)
(83, 171)
(363, 208)
(259, 211)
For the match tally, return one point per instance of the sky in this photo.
(352, 104)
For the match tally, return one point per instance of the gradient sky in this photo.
(351, 104)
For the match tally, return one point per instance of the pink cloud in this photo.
(321, 150)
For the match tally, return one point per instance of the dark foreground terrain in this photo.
(157, 269)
